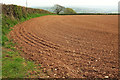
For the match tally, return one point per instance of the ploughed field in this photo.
(71, 46)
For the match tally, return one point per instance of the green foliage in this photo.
(17, 12)
(15, 66)
(69, 11)
(4, 39)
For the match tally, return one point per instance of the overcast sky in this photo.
(73, 3)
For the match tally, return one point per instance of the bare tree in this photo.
(58, 8)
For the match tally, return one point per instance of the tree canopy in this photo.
(69, 11)
(58, 9)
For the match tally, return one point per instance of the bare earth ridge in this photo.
(72, 46)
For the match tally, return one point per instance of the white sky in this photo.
(63, 2)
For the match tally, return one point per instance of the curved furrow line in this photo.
(44, 43)
(41, 39)
(21, 38)
(32, 41)
(32, 44)
(58, 47)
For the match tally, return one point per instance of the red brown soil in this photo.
(72, 46)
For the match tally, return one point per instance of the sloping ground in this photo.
(71, 46)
